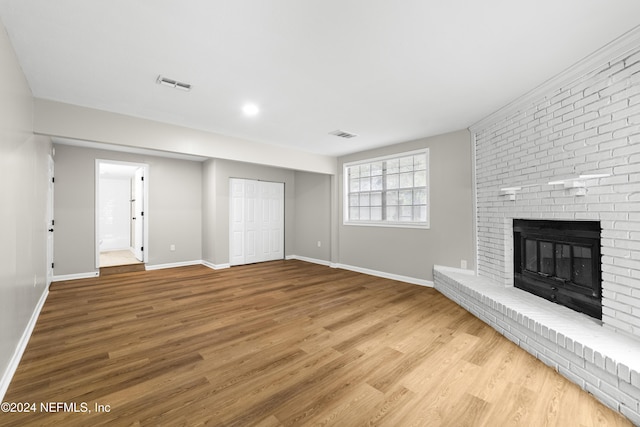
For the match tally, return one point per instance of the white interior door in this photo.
(252, 251)
(256, 221)
(138, 214)
(236, 221)
(272, 220)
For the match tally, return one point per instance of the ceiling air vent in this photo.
(343, 134)
(173, 83)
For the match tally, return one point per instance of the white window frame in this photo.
(384, 222)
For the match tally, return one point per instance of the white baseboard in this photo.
(368, 271)
(63, 277)
(307, 259)
(173, 265)
(7, 376)
(398, 277)
(215, 266)
(92, 274)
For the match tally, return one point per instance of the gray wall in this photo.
(23, 195)
(175, 208)
(88, 124)
(216, 174)
(312, 216)
(414, 252)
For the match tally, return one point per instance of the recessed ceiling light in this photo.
(250, 110)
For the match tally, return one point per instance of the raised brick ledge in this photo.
(601, 361)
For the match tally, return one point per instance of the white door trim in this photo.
(98, 162)
(50, 220)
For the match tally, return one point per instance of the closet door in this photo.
(256, 221)
(236, 221)
(252, 206)
(272, 220)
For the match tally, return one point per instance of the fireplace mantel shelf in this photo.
(579, 183)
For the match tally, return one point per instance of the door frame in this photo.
(145, 226)
(50, 219)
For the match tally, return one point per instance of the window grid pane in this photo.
(393, 190)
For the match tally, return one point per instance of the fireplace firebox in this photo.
(560, 261)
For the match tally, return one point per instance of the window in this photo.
(388, 191)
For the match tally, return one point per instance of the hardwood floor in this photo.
(281, 343)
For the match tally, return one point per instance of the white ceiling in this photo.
(389, 71)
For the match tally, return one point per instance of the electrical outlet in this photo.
(319, 243)
(35, 280)
(172, 248)
(463, 264)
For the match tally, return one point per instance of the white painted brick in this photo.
(619, 394)
(627, 111)
(586, 100)
(612, 126)
(627, 150)
(631, 168)
(585, 375)
(626, 93)
(634, 119)
(628, 319)
(630, 390)
(548, 361)
(608, 144)
(614, 107)
(618, 287)
(635, 379)
(616, 306)
(633, 415)
(601, 374)
(624, 373)
(622, 262)
(578, 350)
(598, 359)
(632, 58)
(576, 379)
(596, 86)
(537, 142)
(603, 397)
(627, 71)
(630, 129)
(570, 356)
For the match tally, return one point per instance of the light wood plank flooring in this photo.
(114, 258)
(280, 343)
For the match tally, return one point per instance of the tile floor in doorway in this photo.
(111, 258)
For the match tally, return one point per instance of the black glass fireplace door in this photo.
(560, 261)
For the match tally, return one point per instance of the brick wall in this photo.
(587, 124)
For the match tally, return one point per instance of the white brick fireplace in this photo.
(536, 159)
(588, 126)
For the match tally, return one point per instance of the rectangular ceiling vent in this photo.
(343, 134)
(173, 83)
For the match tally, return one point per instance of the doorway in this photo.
(121, 219)
(256, 221)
